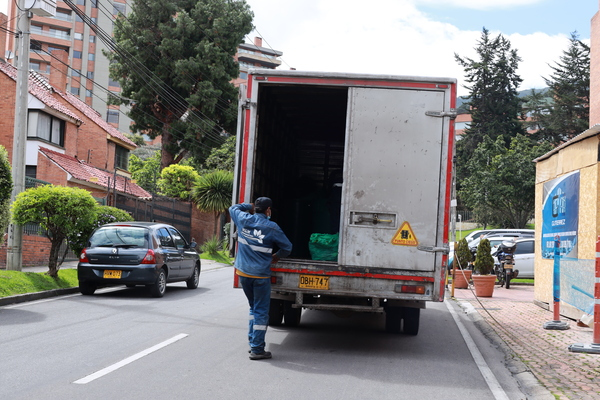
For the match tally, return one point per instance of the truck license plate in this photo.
(314, 282)
(112, 274)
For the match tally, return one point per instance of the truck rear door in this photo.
(394, 178)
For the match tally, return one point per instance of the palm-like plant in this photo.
(212, 193)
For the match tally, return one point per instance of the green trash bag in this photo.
(324, 246)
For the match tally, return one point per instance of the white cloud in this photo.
(479, 4)
(386, 37)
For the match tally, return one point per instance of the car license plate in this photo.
(112, 274)
(314, 282)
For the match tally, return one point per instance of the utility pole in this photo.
(15, 232)
(26, 8)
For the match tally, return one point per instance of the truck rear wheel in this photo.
(393, 319)
(411, 318)
(276, 312)
(291, 316)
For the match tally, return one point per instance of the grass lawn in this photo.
(16, 282)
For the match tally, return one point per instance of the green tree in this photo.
(177, 181)
(503, 180)
(175, 64)
(484, 262)
(81, 233)
(59, 210)
(6, 187)
(566, 115)
(145, 172)
(463, 255)
(213, 193)
(493, 96)
(222, 157)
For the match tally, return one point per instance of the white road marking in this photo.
(129, 360)
(488, 375)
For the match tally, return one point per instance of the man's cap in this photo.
(262, 203)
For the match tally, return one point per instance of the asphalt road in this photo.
(191, 344)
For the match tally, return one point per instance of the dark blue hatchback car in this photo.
(137, 253)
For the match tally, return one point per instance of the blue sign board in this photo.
(560, 215)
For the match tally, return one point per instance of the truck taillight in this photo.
(275, 280)
(83, 257)
(417, 289)
(149, 257)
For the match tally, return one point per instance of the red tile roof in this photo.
(82, 171)
(38, 91)
(94, 116)
(43, 91)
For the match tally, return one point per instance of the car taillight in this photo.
(83, 257)
(149, 257)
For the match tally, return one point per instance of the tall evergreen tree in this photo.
(567, 113)
(174, 62)
(493, 99)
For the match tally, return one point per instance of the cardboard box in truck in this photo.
(362, 159)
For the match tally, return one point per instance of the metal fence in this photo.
(158, 209)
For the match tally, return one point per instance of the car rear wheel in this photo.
(192, 282)
(158, 288)
(86, 288)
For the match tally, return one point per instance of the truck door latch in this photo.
(433, 249)
(441, 114)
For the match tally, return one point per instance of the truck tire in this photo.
(411, 318)
(393, 319)
(276, 312)
(291, 316)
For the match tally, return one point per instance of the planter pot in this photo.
(484, 285)
(461, 278)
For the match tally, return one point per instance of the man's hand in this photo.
(274, 259)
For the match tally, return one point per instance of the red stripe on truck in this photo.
(356, 274)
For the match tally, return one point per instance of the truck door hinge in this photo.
(246, 104)
(441, 114)
(433, 249)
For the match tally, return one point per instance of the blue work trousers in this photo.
(258, 292)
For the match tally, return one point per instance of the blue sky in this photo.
(415, 37)
(551, 17)
(418, 37)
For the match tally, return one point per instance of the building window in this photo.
(121, 157)
(95, 3)
(31, 171)
(46, 127)
(78, 36)
(114, 83)
(76, 54)
(90, 75)
(75, 72)
(243, 75)
(75, 91)
(92, 39)
(112, 116)
(88, 93)
(119, 8)
(78, 18)
(35, 46)
(91, 56)
(81, 2)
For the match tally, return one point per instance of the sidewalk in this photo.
(519, 322)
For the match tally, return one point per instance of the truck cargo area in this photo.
(299, 158)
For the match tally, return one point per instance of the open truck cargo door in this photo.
(392, 189)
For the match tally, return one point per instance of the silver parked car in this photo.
(137, 253)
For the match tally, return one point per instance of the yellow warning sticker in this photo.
(405, 236)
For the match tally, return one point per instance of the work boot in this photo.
(260, 356)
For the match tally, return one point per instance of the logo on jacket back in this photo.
(256, 235)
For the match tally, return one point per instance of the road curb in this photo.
(527, 380)
(22, 298)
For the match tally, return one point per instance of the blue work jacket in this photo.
(256, 237)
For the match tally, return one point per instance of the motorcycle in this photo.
(505, 269)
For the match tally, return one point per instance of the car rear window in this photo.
(126, 236)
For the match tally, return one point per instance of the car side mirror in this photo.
(193, 245)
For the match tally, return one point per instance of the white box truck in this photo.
(359, 163)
